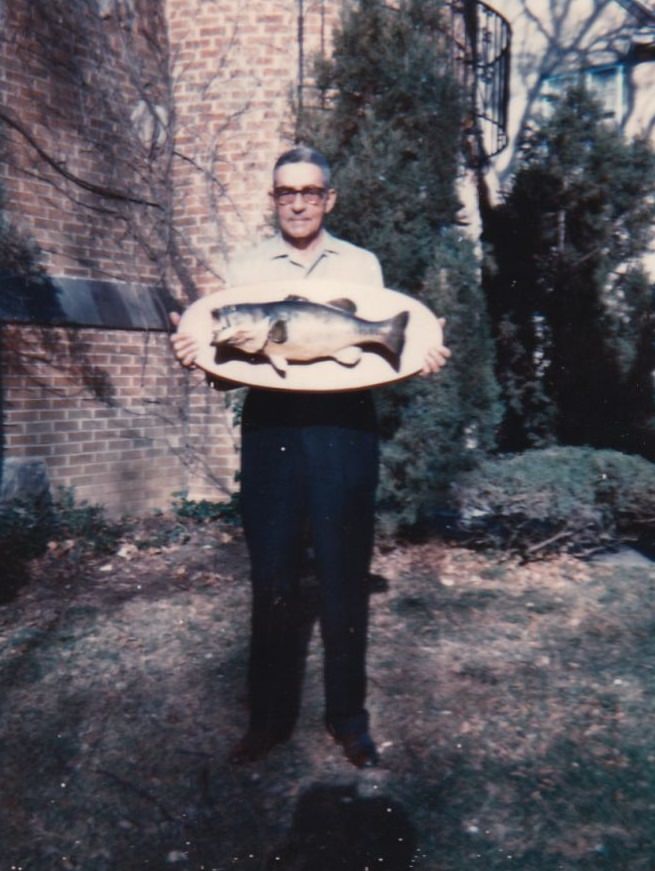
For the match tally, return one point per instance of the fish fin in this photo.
(349, 356)
(295, 297)
(240, 337)
(279, 363)
(345, 304)
(395, 337)
(278, 332)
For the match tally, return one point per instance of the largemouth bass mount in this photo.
(297, 330)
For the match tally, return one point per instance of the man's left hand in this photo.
(436, 357)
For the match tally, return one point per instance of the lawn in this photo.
(512, 704)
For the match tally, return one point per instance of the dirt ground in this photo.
(513, 706)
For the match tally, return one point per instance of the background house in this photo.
(610, 46)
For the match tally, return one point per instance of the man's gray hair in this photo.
(305, 154)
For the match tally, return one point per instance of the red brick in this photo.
(93, 245)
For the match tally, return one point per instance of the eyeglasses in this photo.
(313, 196)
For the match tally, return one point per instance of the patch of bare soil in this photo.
(513, 706)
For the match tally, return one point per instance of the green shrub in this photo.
(571, 303)
(435, 427)
(561, 499)
(26, 528)
(87, 524)
(203, 510)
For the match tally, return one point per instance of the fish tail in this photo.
(394, 338)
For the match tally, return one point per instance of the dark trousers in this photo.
(309, 462)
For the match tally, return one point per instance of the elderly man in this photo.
(307, 460)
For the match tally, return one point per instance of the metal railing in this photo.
(480, 43)
(481, 46)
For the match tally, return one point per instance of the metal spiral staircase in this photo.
(479, 40)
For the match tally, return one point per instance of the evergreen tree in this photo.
(392, 135)
(571, 305)
(433, 428)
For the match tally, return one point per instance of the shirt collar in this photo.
(280, 249)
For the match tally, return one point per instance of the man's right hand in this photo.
(185, 347)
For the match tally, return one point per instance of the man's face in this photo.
(300, 221)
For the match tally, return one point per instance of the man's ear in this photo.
(330, 200)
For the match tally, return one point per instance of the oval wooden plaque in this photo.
(422, 332)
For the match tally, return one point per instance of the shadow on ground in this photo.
(512, 705)
(335, 828)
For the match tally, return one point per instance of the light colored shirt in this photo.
(274, 260)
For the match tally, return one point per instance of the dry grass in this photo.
(513, 705)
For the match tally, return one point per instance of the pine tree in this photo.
(438, 427)
(571, 305)
(392, 135)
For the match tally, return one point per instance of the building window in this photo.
(606, 83)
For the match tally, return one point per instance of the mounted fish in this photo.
(296, 330)
(316, 340)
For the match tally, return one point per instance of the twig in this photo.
(540, 545)
(140, 791)
(59, 167)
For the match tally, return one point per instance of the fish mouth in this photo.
(232, 341)
(223, 334)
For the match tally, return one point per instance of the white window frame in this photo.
(615, 108)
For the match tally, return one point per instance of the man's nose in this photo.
(298, 203)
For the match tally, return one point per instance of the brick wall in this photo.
(78, 171)
(139, 140)
(235, 66)
(114, 417)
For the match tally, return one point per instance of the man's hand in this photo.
(185, 347)
(436, 357)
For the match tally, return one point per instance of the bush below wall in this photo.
(561, 499)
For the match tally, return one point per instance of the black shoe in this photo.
(255, 745)
(359, 749)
